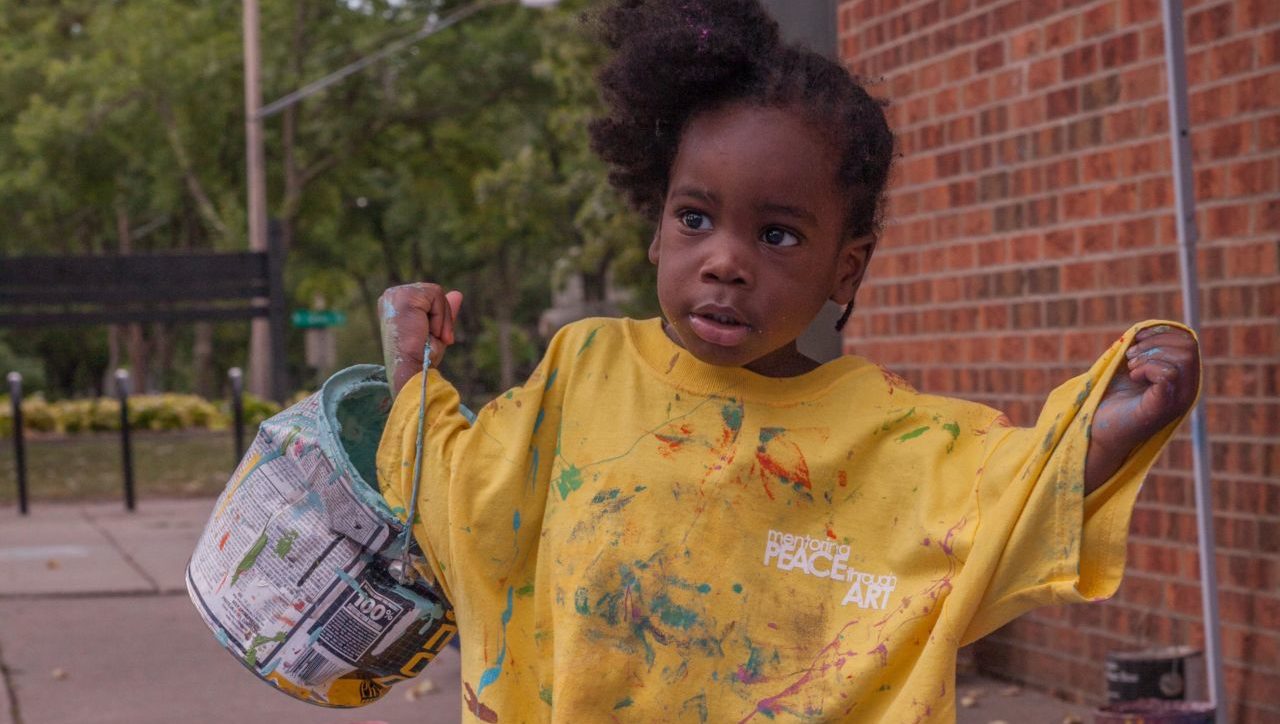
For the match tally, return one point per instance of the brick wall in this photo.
(1031, 221)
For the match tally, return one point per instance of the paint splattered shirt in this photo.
(636, 535)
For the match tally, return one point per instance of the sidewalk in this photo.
(96, 626)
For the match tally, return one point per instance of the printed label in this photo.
(825, 558)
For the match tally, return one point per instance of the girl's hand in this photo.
(1161, 384)
(410, 314)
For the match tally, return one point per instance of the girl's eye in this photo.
(695, 220)
(774, 236)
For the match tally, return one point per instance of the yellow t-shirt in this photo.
(637, 535)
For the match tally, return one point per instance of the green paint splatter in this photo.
(251, 655)
(641, 488)
(545, 695)
(525, 591)
(954, 429)
(623, 704)
(1084, 394)
(570, 480)
(914, 434)
(732, 415)
(250, 558)
(737, 588)
(590, 338)
(285, 544)
(580, 602)
(893, 423)
(673, 614)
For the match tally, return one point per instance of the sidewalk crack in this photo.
(155, 585)
(15, 713)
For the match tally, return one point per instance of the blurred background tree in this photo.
(462, 160)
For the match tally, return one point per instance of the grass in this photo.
(90, 467)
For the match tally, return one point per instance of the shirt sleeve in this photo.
(1040, 540)
(479, 500)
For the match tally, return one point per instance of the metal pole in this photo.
(1188, 235)
(260, 382)
(237, 409)
(19, 446)
(126, 449)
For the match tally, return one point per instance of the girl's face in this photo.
(750, 242)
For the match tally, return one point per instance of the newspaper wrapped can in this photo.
(294, 570)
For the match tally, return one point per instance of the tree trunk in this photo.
(135, 340)
(202, 360)
(505, 303)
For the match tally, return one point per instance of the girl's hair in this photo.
(673, 59)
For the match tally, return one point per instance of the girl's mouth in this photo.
(719, 328)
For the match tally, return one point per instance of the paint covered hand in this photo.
(1163, 376)
(410, 314)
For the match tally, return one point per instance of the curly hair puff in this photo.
(674, 59)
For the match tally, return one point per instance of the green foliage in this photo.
(165, 412)
(256, 410)
(461, 160)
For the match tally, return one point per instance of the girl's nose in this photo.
(726, 260)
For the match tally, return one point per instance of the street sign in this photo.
(318, 318)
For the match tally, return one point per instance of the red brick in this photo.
(1209, 25)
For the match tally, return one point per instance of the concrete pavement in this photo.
(96, 626)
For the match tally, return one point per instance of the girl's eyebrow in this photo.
(796, 212)
(697, 193)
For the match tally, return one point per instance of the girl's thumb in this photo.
(454, 298)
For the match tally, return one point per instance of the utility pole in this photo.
(260, 382)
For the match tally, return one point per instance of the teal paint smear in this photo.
(222, 638)
(580, 602)
(732, 415)
(422, 607)
(605, 496)
(623, 704)
(315, 635)
(768, 433)
(515, 522)
(591, 337)
(570, 480)
(551, 380)
(347, 579)
(537, 422)
(673, 614)
(914, 434)
(535, 459)
(737, 588)
(491, 674)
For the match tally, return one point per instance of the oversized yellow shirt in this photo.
(636, 535)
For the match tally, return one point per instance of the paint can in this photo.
(303, 572)
(1174, 673)
(1156, 711)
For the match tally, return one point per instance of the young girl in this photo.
(685, 519)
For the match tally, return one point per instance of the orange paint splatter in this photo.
(830, 533)
(222, 543)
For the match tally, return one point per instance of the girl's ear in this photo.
(851, 267)
(653, 245)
